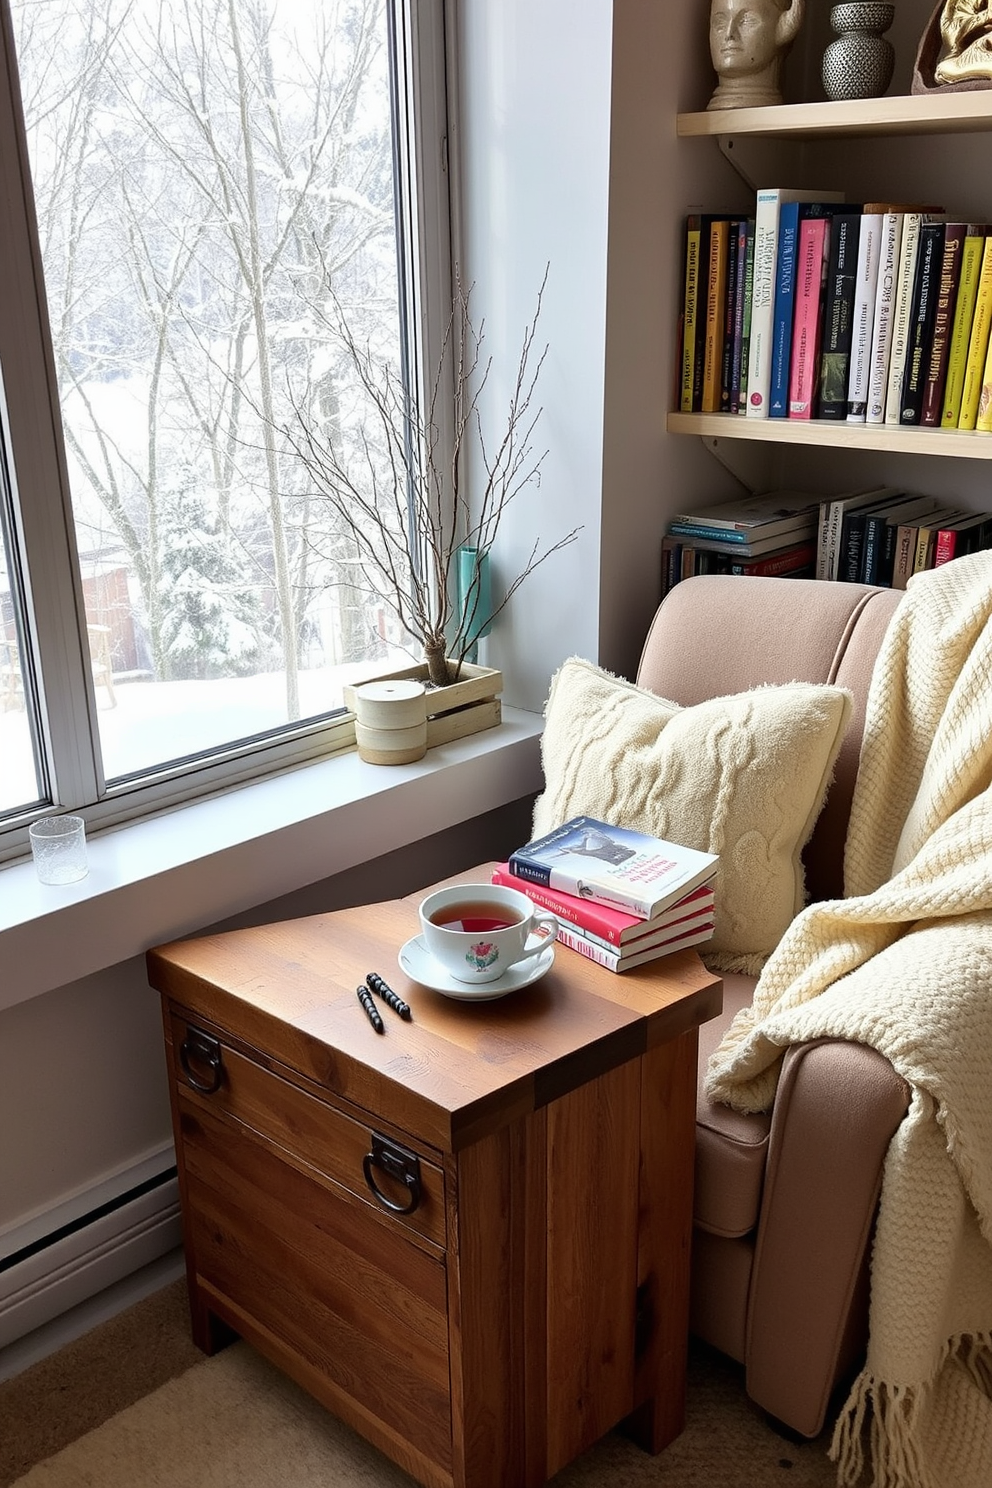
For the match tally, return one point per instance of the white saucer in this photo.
(418, 963)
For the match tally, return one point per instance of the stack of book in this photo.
(622, 898)
(878, 535)
(815, 308)
(772, 534)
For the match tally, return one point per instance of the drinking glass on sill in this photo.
(58, 845)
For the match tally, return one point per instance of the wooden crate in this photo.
(464, 707)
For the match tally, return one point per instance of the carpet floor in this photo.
(135, 1405)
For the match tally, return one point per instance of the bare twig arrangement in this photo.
(405, 507)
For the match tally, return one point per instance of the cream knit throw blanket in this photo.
(904, 963)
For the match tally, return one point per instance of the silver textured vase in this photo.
(859, 63)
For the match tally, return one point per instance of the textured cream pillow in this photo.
(742, 776)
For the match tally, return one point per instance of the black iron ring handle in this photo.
(409, 1177)
(205, 1050)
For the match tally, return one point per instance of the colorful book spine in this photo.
(925, 539)
(737, 328)
(966, 535)
(978, 343)
(904, 553)
(716, 313)
(850, 562)
(702, 529)
(671, 563)
(620, 960)
(863, 318)
(613, 926)
(813, 248)
(940, 344)
(729, 314)
(964, 312)
(873, 547)
(926, 287)
(909, 249)
(768, 205)
(696, 917)
(983, 419)
(926, 536)
(748, 296)
(838, 315)
(803, 555)
(690, 310)
(783, 308)
(766, 213)
(881, 335)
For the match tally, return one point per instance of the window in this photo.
(209, 181)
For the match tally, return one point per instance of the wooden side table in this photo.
(468, 1237)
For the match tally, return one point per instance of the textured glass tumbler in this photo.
(58, 844)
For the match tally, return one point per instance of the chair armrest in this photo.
(836, 1109)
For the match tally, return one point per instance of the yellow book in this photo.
(978, 343)
(691, 308)
(716, 297)
(964, 311)
(983, 423)
(925, 539)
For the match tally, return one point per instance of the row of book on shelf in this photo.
(876, 535)
(621, 897)
(815, 308)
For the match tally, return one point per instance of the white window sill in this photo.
(167, 876)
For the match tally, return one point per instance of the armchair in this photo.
(785, 1202)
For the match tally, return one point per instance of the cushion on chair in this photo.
(742, 776)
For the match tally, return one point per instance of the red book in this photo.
(613, 925)
(807, 324)
(625, 960)
(785, 562)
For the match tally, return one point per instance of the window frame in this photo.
(43, 522)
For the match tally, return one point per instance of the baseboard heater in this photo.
(42, 1280)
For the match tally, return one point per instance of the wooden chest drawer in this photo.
(353, 1298)
(279, 1209)
(311, 1132)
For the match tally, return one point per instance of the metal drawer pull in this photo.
(396, 1162)
(205, 1050)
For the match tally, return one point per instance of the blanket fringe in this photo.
(887, 1418)
(890, 1413)
(974, 1353)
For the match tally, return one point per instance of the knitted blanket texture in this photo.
(903, 963)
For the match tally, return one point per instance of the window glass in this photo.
(214, 180)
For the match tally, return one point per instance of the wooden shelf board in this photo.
(958, 443)
(950, 113)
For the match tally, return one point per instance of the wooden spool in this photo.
(391, 721)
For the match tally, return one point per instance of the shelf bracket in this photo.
(748, 460)
(761, 161)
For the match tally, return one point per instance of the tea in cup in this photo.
(477, 932)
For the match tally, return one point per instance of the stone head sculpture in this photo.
(749, 40)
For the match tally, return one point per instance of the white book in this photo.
(863, 318)
(613, 961)
(881, 336)
(909, 249)
(766, 210)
